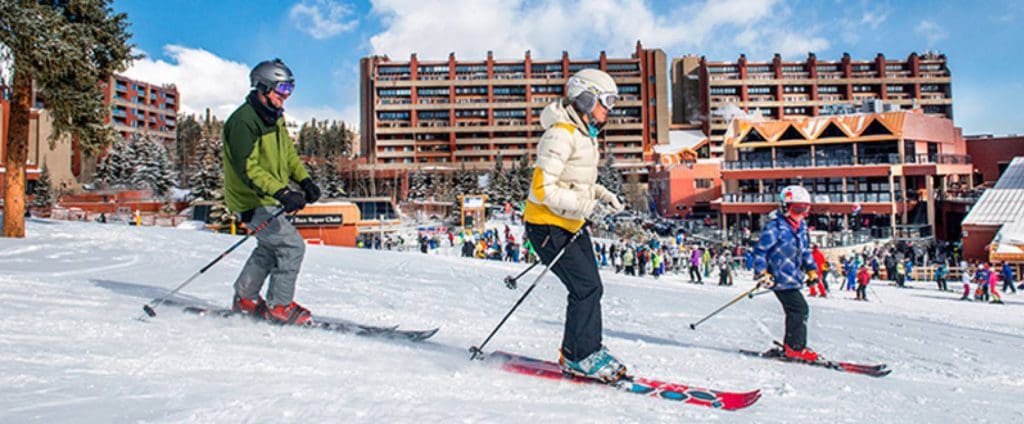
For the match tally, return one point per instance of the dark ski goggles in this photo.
(284, 88)
(799, 207)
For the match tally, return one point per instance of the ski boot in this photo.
(251, 307)
(600, 365)
(804, 354)
(292, 313)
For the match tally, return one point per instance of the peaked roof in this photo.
(912, 124)
(1003, 203)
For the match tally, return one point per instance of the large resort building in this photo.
(875, 175)
(707, 94)
(442, 114)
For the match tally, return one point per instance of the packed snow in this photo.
(73, 350)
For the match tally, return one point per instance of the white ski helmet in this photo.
(795, 194)
(589, 86)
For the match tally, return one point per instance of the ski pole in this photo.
(750, 293)
(510, 281)
(478, 352)
(151, 310)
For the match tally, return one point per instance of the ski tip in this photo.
(149, 311)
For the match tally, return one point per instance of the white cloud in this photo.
(204, 80)
(433, 28)
(874, 18)
(322, 19)
(931, 31)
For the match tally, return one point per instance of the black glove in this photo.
(291, 200)
(311, 189)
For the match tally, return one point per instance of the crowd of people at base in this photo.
(657, 257)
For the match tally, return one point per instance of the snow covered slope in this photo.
(71, 350)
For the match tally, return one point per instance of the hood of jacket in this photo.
(557, 112)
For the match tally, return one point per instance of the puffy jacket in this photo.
(564, 183)
(784, 252)
(627, 257)
(259, 159)
(863, 277)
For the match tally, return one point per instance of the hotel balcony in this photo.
(871, 160)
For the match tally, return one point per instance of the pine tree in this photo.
(497, 182)
(208, 181)
(419, 185)
(610, 177)
(44, 197)
(187, 137)
(116, 169)
(152, 167)
(62, 49)
(331, 184)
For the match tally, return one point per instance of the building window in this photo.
(432, 91)
(389, 70)
(509, 91)
(793, 68)
(862, 89)
(546, 89)
(393, 115)
(894, 88)
(623, 67)
(759, 69)
(393, 92)
(759, 90)
(718, 91)
(703, 183)
(467, 69)
(794, 89)
(471, 90)
(828, 68)
(722, 69)
(861, 68)
(574, 67)
(436, 69)
(894, 67)
(930, 88)
(625, 89)
(509, 68)
(828, 89)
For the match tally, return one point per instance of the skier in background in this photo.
(563, 193)
(819, 260)
(863, 279)
(965, 278)
(259, 162)
(782, 262)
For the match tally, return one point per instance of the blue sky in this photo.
(207, 47)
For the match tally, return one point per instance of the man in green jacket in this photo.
(259, 161)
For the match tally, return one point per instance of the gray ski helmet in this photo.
(265, 76)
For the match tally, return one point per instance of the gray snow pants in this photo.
(279, 251)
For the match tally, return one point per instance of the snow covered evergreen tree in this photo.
(497, 182)
(208, 181)
(610, 177)
(519, 179)
(331, 184)
(116, 168)
(152, 167)
(419, 185)
(43, 192)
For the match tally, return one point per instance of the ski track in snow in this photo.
(71, 350)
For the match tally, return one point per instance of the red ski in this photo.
(677, 392)
(880, 370)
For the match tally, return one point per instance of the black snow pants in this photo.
(795, 306)
(577, 269)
